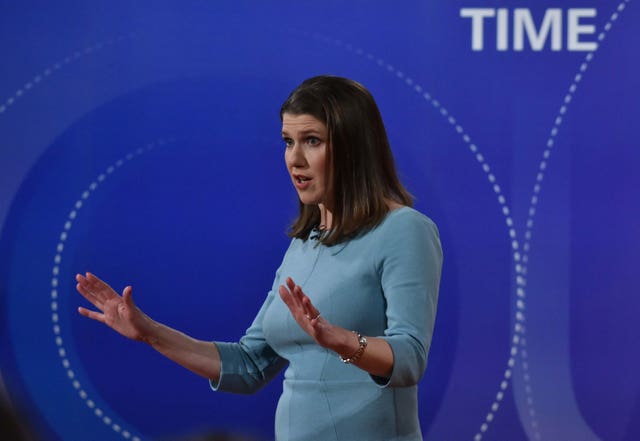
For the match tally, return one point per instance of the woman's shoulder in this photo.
(408, 220)
(406, 233)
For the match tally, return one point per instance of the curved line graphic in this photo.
(62, 351)
(502, 201)
(562, 402)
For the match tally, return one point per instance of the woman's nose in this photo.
(295, 156)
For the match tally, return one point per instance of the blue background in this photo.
(141, 142)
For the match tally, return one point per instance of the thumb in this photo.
(127, 296)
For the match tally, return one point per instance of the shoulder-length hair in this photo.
(361, 171)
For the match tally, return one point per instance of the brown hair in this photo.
(361, 170)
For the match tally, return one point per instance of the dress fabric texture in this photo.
(383, 283)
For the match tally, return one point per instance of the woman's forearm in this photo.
(376, 359)
(121, 314)
(200, 357)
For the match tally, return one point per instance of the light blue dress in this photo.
(383, 283)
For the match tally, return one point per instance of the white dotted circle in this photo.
(38, 79)
(521, 270)
(50, 70)
(62, 352)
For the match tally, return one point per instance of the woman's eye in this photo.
(288, 142)
(312, 140)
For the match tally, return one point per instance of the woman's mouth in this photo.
(301, 182)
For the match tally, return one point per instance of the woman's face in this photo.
(306, 145)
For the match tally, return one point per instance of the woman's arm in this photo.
(122, 315)
(377, 358)
(410, 267)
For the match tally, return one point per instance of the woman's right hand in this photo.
(122, 315)
(118, 312)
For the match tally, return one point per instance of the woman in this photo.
(353, 303)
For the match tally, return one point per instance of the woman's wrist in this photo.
(355, 356)
(151, 335)
(347, 343)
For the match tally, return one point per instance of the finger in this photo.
(286, 297)
(96, 282)
(290, 283)
(90, 282)
(296, 290)
(91, 314)
(84, 284)
(294, 298)
(99, 288)
(295, 308)
(82, 280)
(310, 311)
(300, 296)
(87, 294)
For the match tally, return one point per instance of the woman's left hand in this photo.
(378, 357)
(309, 318)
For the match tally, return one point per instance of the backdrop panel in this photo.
(142, 143)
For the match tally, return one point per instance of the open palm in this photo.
(118, 312)
(307, 315)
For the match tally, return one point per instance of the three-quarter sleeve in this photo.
(410, 268)
(251, 363)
